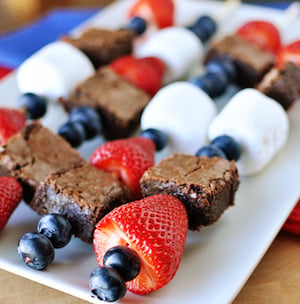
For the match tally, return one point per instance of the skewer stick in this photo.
(229, 7)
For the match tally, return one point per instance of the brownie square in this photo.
(251, 62)
(118, 102)
(83, 193)
(103, 46)
(282, 84)
(205, 185)
(33, 153)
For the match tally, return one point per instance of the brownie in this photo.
(101, 45)
(83, 193)
(33, 153)
(282, 84)
(251, 62)
(118, 102)
(206, 186)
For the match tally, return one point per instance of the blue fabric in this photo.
(16, 46)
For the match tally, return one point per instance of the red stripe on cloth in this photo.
(4, 71)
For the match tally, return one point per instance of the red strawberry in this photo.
(10, 195)
(261, 33)
(159, 12)
(128, 158)
(155, 228)
(11, 122)
(290, 52)
(145, 73)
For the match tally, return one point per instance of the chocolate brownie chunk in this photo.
(205, 185)
(282, 84)
(33, 153)
(118, 102)
(102, 46)
(251, 62)
(83, 193)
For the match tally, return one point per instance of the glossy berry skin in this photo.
(73, 132)
(289, 52)
(155, 227)
(56, 228)
(138, 25)
(89, 118)
(211, 83)
(231, 148)
(204, 28)
(106, 284)
(35, 105)
(11, 122)
(10, 196)
(159, 138)
(124, 261)
(210, 151)
(223, 66)
(36, 250)
(128, 159)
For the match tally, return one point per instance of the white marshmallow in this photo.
(183, 112)
(177, 47)
(258, 123)
(54, 70)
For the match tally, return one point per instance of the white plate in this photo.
(218, 260)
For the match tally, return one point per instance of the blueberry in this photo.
(89, 118)
(159, 138)
(56, 228)
(124, 261)
(204, 27)
(73, 132)
(211, 83)
(223, 66)
(106, 284)
(210, 151)
(138, 25)
(35, 105)
(36, 250)
(231, 148)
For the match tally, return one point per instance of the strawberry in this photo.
(154, 227)
(128, 158)
(145, 73)
(11, 122)
(292, 224)
(159, 12)
(290, 52)
(10, 195)
(262, 33)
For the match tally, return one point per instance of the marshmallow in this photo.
(179, 48)
(54, 70)
(183, 112)
(258, 123)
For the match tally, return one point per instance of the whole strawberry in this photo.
(10, 196)
(11, 122)
(154, 227)
(128, 158)
(144, 73)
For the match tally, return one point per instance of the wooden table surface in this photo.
(276, 280)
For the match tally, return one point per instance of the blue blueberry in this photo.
(159, 138)
(35, 105)
(211, 83)
(138, 25)
(89, 118)
(204, 28)
(231, 148)
(73, 132)
(56, 228)
(224, 66)
(210, 151)
(35, 250)
(106, 284)
(124, 261)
